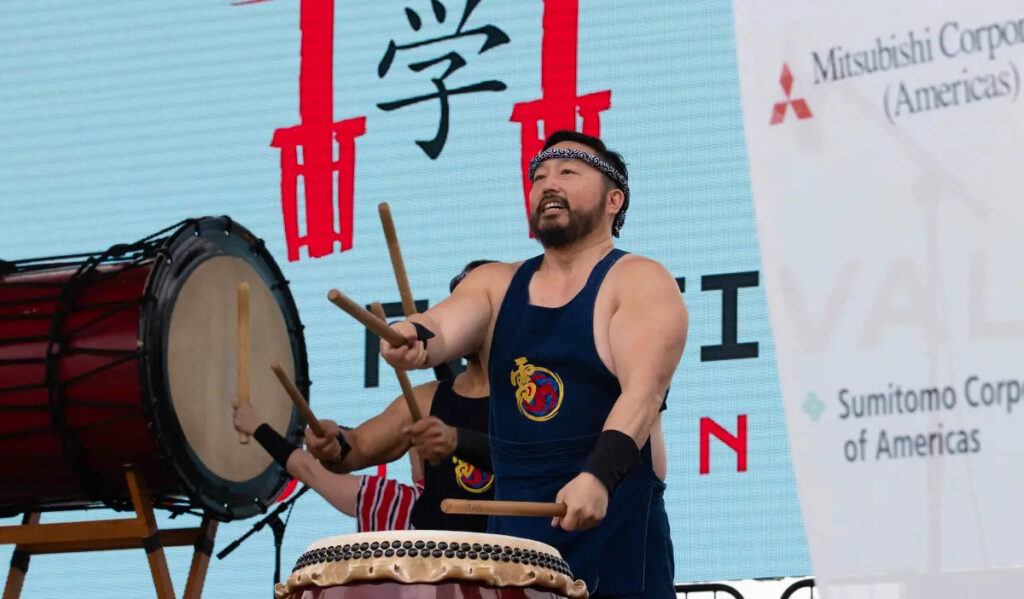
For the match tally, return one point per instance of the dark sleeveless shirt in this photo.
(452, 477)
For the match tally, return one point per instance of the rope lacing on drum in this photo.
(149, 244)
(132, 255)
(63, 296)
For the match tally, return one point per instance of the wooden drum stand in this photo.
(122, 533)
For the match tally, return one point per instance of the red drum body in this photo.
(126, 357)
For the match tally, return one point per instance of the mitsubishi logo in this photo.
(800, 107)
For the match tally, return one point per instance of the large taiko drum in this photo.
(128, 357)
(429, 564)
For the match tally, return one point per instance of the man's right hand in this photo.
(432, 438)
(412, 356)
(324, 448)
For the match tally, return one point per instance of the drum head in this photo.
(191, 369)
(202, 365)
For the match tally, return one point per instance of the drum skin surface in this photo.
(127, 357)
(202, 365)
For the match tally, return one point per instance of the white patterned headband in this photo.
(598, 163)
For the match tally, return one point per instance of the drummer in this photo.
(452, 440)
(581, 342)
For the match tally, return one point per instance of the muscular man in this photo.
(452, 440)
(581, 344)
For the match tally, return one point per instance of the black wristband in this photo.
(277, 446)
(345, 446)
(474, 447)
(423, 333)
(614, 456)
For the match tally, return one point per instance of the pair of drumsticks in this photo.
(376, 322)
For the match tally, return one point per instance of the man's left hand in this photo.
(586, 501)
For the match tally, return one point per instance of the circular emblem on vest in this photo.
(470, 477)
(538, 391)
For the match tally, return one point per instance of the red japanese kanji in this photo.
(800, 107)
(560, 105)
(316, 135)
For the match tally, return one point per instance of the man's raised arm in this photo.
(450, 329)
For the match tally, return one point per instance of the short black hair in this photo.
(610, 156)
(465, 271)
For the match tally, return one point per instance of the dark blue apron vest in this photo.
(550, 396)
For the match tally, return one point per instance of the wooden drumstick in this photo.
(403, 379)
(369, 320)
(297, 399)
(534, 509)
(243, 351)
(395, 251)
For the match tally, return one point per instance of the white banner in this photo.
(885, 148)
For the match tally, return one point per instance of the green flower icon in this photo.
(813, 406)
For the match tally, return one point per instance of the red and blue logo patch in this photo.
(470, 477)
(539, 391)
